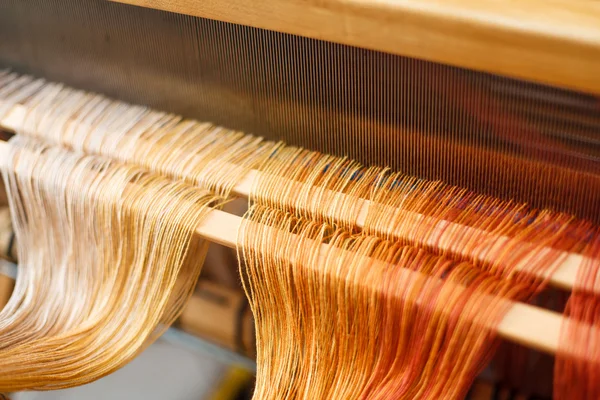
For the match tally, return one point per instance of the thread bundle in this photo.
(89, 295)
(398, 304)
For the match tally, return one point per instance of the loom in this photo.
(496, 98)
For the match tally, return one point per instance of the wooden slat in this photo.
(564, 276)
(555, 42)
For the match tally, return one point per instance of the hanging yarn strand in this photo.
(388, 334)
(107, 260)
